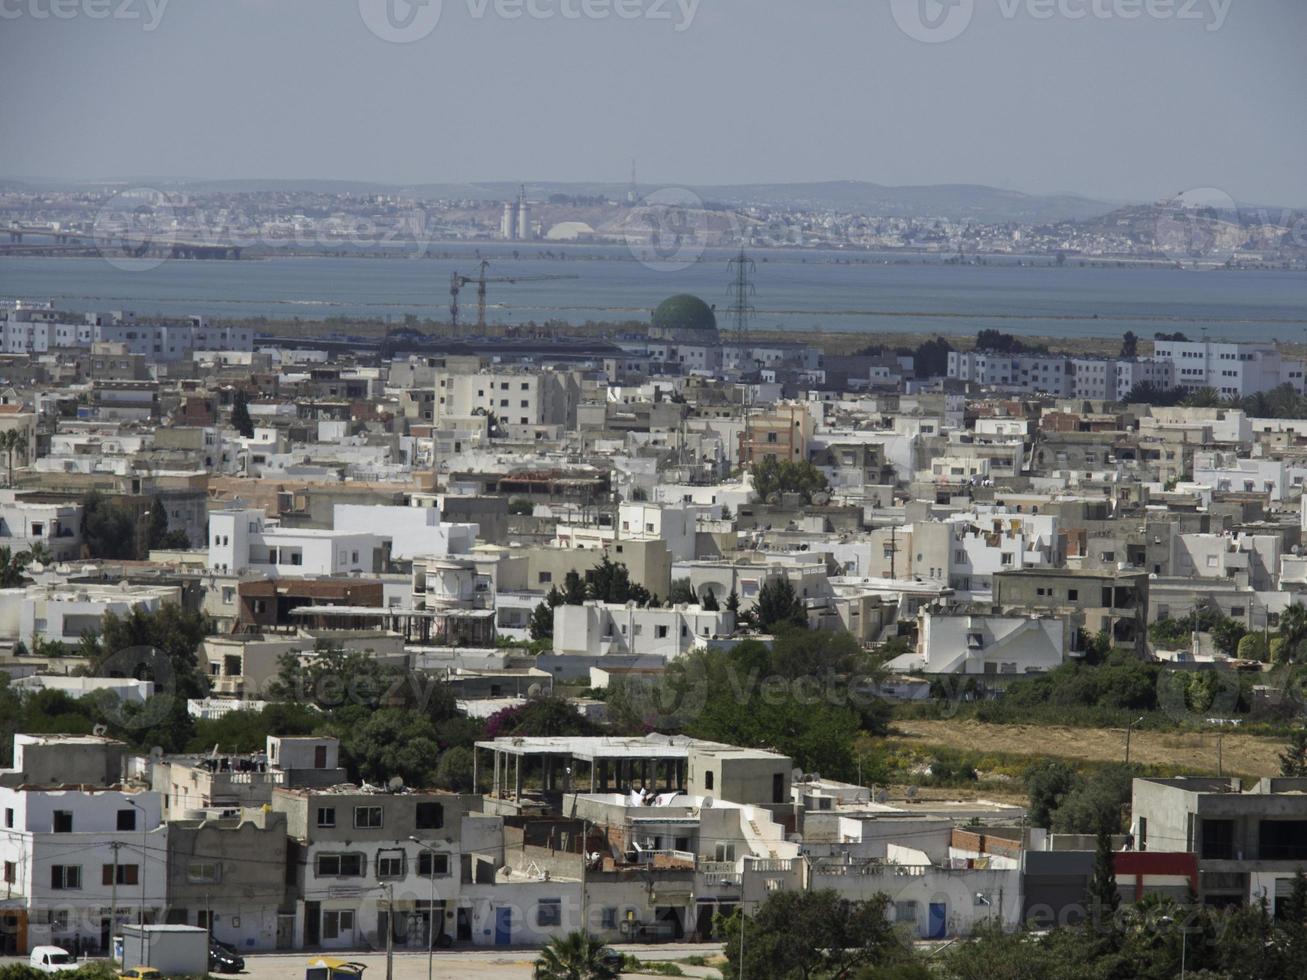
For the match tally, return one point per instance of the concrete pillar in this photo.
(517, 781)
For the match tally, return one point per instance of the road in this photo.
(488, 964)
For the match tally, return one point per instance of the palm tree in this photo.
(1293, 627)
(575, 956)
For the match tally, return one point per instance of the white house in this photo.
(72, 857)
(244, 540)
(959, 643)
(601, 629)
(411, 531)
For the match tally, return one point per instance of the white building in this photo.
(62, 613)
(40, 330)
(961, 643)
(71, 855)
(242, 541)
(604, 629)
(26, 523)
(512, 397)
(1228, 473)
(1233, 370)
(411, 531)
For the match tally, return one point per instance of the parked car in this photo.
(52, 959)
(224, 959)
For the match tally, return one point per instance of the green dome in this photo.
(684, 315)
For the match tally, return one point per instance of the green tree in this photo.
(108, 528)
(541, 625)
(1048, 782)
(801, 934)
(391, 743)
(576, 956)
(771, 477)
(1096, 802)
(1129, 345)
(121, 647)
(454, 771)
(13, 441)
(1254, 647)
(709, 601)
(1293, 628)
(240, 414)
(573, 589)
(733, 602)
(611, 582)
(778, 605)
(1226, 634)
(1293, 760)
(682, 593)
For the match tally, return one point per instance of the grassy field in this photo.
(1240, 755)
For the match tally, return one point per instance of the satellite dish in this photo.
(796, 775)
(882, 796)
(820, 499)
(774, 498)
(912, 792)
(533, 691)
(395, 784)
(708, 802)
(156, 752)
(100, 731)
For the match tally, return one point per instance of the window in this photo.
(905, 911)
(320, 757)
(128, 874)
(1073, 595)
(549, 912)
(390, 864)
(62, 822)
(778, 787)
(608, 919)
(1218, 840)
(9, 816)
(204, 872)
(367, 817)
(340, 865)
(430, 816)
(707, 779)
(432, 865)
(326, 816)
(127, 819)
(11, 873)
(65, 876)
(336, 924)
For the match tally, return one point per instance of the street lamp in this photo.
(431, 908)
(145, 829)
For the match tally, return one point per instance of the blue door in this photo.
(503, 927)
(938, 921)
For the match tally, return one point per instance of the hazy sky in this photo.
(1092, 99)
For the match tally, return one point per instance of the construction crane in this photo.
(481, 281)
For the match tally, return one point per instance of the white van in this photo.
(52, 959)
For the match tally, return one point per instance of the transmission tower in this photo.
(741, 289)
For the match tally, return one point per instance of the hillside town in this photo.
(310, 648)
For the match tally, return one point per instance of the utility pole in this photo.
(113, 896)
(431, 908)
(390, 932)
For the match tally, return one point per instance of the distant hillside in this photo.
(957, 202)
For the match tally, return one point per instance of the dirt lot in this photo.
(1242, 755)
